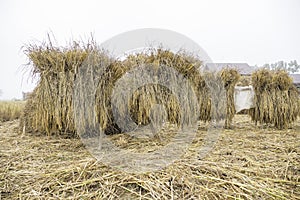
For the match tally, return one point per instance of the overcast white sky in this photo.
(252, 31)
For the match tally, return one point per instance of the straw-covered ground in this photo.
(247, 162)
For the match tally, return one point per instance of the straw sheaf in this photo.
(276, 99)
(51, 107)
(230, 77)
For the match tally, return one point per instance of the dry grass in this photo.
(244, 81)
(64, 74)
(11, 110)
(49, 108)
(230, 77)
(276, 99)
(246, 163)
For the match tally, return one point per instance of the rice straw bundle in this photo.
(230, 77)
(51, 107)
(276, 99)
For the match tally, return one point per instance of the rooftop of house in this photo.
(242, 68)
(296, 78)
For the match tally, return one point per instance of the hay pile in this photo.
(276, 98)
(50, 108)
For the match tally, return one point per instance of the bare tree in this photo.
(290, 67)
(293, 66)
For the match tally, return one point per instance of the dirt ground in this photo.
(247, 162)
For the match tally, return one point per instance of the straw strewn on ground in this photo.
(246, 163)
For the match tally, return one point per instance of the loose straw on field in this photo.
(246, 163)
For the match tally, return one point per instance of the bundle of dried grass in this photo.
(148, 95)
(202, 83)
(276, 99)
(264, 107)
(230, 77)
(51, 106)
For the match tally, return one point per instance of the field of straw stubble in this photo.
(246, 163)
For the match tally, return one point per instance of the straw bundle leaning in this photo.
(276, 99)
(148, 95)
(51, 106)
(230, 77)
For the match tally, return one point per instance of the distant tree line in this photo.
(290, 67)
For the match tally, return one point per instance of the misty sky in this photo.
(253, 31)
